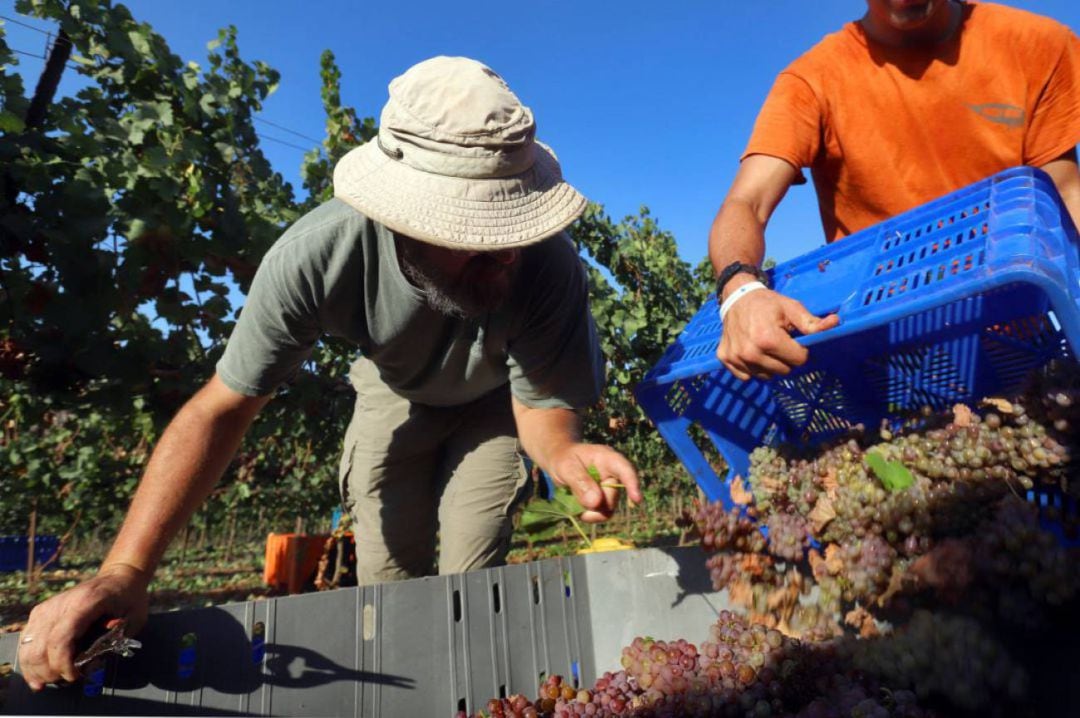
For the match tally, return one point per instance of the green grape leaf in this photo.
(566, 502)
(540, 516)
(893, 475)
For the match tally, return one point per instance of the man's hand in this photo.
(552, 437)
(756, 340)
(569, 467)
(47, 643)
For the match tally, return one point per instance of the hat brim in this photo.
(458, 213)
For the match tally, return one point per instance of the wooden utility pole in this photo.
(59, 54)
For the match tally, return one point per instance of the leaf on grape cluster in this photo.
(861, 619)
(1003, 405)
(896, 584)
(772, 485)
(784, 599)
(830, 483)
(833, 563)
(822, 513)
(817, 564)
(893, 475)
(741, 592)
(962, 415)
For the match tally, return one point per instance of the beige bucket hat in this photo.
(456, 163)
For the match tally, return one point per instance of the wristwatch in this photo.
(738, 268)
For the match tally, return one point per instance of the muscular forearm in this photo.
(190, 457)
(738, 232)
(545, 432)
(552, 437)
(737, 235)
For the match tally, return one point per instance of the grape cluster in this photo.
(742, 670)
(945, 656)
(727, 530)
(1053, 399)
(867, 565)
(724, 568)
(1009, 569)
(789, 535)
(843, 544)
(515, 706)
(1020, 562)
(815, 621)
(669, 668)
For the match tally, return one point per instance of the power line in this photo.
(41, 57)
(286, 129)
(261, 136)
(28, 54)
(301, 135)
(283, 142)
(26, 25)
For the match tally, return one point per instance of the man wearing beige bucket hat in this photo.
(442, 258)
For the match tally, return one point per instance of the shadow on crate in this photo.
(170, 668)
(226, 660)
(693, 577)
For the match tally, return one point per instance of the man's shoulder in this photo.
(332, 222)
(835, 49)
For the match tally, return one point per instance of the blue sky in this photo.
(646, 103)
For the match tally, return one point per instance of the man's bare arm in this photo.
(738, 231)
(552, 437)
(187, 462)
(189, 459)
(756, 340)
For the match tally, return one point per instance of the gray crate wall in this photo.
(425, 647)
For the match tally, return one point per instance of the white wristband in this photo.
(737, 295)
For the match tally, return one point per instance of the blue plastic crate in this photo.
(949, 302)
(13, 551)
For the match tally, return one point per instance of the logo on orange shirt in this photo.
(1010, 115)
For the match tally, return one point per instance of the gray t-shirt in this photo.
(336, 272)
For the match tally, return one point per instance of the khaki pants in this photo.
(408, 470)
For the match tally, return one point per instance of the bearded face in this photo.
(459, 283)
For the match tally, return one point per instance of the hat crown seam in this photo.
(522, 115)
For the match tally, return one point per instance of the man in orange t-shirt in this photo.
(916, 99)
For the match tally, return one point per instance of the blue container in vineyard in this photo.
(13, 551)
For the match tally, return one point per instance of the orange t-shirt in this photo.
(886, 129)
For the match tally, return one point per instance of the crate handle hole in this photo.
(368, 618)
(185, 664)
(496, 600)
(457, 606)
(536, 590)
(258, 642)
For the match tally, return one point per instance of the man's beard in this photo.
(482, 286)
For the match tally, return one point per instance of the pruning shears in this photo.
(112, 641)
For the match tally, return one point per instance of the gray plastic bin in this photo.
(426, 647)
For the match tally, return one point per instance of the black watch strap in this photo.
(738, 268)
